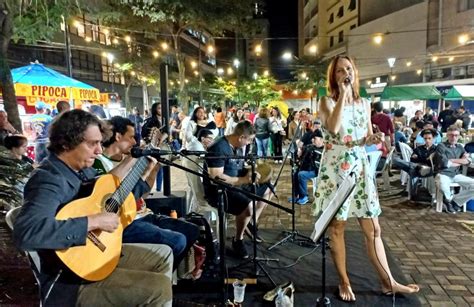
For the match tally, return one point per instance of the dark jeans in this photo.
(159, 179)
(410, 168)
(303, 177)
(160, 229)
(277, 143)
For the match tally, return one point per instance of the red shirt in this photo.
(384, 123)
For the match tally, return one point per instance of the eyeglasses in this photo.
(453, 134)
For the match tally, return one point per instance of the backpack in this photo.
(206, 237)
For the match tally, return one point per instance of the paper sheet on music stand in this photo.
(343, 192)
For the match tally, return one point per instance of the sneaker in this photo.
(448, 207)
(456, 207)
(239, 249)
(303, 201)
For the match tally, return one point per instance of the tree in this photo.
(28, 21)
(175, 17)
(309, 74)
(258, 91)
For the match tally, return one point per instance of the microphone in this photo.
(186, 152)
(138, 152)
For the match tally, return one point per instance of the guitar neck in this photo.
(129, 182)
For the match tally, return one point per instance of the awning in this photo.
(37, 82)
(460, 92)
(410, 93)
(322, 91)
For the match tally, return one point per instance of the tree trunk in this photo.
(128, 106)
(181, 73)
(6, 82)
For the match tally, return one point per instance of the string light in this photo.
(463, 38)
(115, 41)
(88, 39)
(434, 58)
(451, 58)
(258, 49)
(313, 49)
(408, 63)
(303, 75)
(196, 73)
(164, 46)
(230, 71)
(369, 82)
(193, 64)
(393, 77)
(377, 39)
(220, 71)
(127, 38)
(76, 23)
(266, 73)
(210, 49)
(156, 54)
(419, 71)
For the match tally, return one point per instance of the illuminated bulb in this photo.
(177, 81)
(266, 73)
(258, 49)
(377, 39)
(369, 82)
(419, 71)
(132, 73)
(186, 81)
(220, 71)
(193, 64)
(287, 55)
(463, 38)
(127, 38)
(255, 75)
(309, 91)
(280, 92)
(88, 39)
(104, 54)
(164, 46)
(408, 64)
(196, 73)
(115, 41)
(76, 24)
(171, 83)
(313, 49)
(451, 58)
(156, 54)
(303, 75)
(248, 87)
(230, 71)
(236, 63)
(295, 92)
(393, 78)
(434, 59)
(210, 49)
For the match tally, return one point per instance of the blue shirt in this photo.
(40, 123)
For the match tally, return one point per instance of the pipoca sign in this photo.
(49, 91)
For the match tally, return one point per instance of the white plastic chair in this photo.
(374, 158)
(406, 151)
(385, 169)
(439, 195)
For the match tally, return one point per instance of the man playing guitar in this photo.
(143, 274)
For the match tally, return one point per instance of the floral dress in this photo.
(343, 155)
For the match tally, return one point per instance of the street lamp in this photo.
(287, 56)
(391, 63)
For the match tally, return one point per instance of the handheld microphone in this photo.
(138, 152)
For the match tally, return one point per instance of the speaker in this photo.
(160, 204)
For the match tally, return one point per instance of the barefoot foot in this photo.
(398, 288)
(346, 294)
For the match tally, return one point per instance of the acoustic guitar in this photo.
(100, 255)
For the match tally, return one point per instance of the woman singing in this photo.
(346, 122)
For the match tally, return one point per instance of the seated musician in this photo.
(309, 166)
(147, 227)
(143, 275)
(232, 172)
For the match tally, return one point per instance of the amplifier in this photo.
(160, 204)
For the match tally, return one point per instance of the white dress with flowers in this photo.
(343, 154)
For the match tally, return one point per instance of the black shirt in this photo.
(222, 148)
(423, 154)
(311, 157)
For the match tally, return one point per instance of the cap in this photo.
(40, 105)
(317, 133)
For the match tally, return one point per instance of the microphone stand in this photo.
(221, 216)
(293, 236)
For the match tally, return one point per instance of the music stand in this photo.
(292, 235)
(344, 190)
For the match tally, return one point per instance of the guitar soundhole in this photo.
(111, 205)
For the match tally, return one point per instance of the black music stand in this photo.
(344, 190)
(293, 236)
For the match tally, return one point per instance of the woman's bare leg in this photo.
(338, 252)
(376, 252)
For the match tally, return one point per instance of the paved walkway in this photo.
(433, 249)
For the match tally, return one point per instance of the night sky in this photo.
(283, 17)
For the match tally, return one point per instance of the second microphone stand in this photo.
(294, 236)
